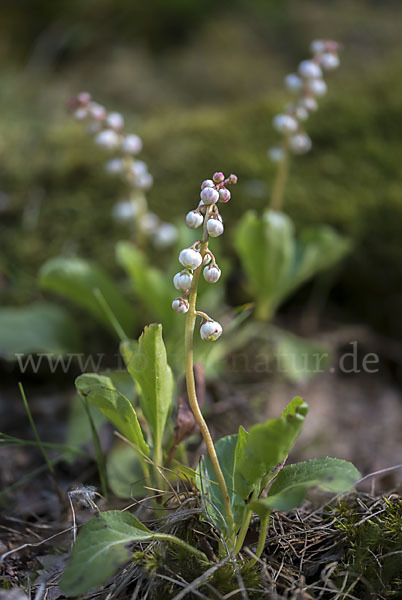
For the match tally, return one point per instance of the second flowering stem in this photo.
(191, 390)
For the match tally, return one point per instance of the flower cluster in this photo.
(108, 131)
(213, 192)
(308, 84)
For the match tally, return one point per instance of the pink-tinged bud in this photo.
(218, 177)
(180, 305)
(190, 258)
(300, 143)
(98, 112)
(224, 195)
(84, 98)
(332, 46)
(232, 178)
(182, 281)
(210, 331)
(329, 61)
(81, 114)
(207, 259)
(214, 227)
(309, 69)
(207, 183)
(284, 124)
(212, 273)
(132, 144)
(115, 121)
(209, 195)
(194, 219)
(107, 139)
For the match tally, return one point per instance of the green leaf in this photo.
(78, 280)
(267, 445)
(266, 248)
(147, 363)
(124, 472)
(150, 285)
(318, 249)
(101, 392)
(207, 484)
(276, 263)
(290, 487)
(41, 327)
(100, 549)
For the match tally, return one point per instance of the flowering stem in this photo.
(191, 391)
(278, 188)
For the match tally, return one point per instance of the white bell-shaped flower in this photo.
(210, 331)
(190, 258)
(182, 281)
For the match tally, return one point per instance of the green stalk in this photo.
(246, 522)
(278, 188)
(191, 390)
(262, 537)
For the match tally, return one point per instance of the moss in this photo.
(373, 556)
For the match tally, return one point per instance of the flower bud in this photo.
(209, 195)
(132, 144)
(207, 259)
(180, 305)
(232, 178)
(212, 273)
(165, 235)
(218, 177)
(300, 143)
(309, 103)
(284, 124)
(194, 219)
(309, 69)
(81, 114)
(107, 139)
(115, 120)
(329, 61)
(317, 46)
(84, 98)
(224, 195)
(207, 183)
(115, 165)
(138, 168)
(190, 258)
(144, 181)
(210, 331)
(125, 211)
(276, 154)
(98, 112)
(149, 223)
(301, 113)
(293, 82)
(182, 281)
(317, 87)
(214, 227)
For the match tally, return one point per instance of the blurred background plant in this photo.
(57, 199)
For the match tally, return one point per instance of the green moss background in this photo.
(202, 95)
